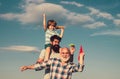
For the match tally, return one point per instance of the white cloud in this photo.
(72, 3)
(33, 10)
(118, 15)
(108, 32)
(96, 12)
(9, 16)
(95, 25)
(117, 22)
(93, 11)
(33, 14)
(34, 1)
(105, 15)
(74, 18)
(20, 48)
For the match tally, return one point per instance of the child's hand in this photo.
(23, 68)
(44, 15)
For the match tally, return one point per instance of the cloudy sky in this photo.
(94, 24)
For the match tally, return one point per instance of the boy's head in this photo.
(65, 54)
(51, 23)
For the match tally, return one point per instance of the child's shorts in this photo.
(47, 45)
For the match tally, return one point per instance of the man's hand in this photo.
(72, 50)
(23, 68)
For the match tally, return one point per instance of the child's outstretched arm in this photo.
(62, 30)
(44, 22)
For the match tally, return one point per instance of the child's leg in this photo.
(47, 53)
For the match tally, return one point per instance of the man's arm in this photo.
(72, 50)
(37, 67)
(23, 68)
(80, 66)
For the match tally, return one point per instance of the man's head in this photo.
(65, 54)
(55, 40)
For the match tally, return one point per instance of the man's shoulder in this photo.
(54, 55)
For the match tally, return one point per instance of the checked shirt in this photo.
(57, 70)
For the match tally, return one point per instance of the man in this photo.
(55, 49)
(60, 68)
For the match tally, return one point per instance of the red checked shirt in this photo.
(57, 70)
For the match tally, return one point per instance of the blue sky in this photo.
(94, 24)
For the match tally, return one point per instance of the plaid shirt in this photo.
(57, 70)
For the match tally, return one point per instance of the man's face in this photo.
(65, 54)
(55, 42)
(55, 45)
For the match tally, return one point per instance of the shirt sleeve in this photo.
(71, 58)
(78, 68)
(42, 54)
(43, 65)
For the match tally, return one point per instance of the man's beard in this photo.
(64, 59)
(56, 48)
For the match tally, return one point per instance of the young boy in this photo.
(59, 68)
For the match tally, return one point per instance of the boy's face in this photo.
(65, 54)
(51, 27)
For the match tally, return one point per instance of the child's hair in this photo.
(51, 22)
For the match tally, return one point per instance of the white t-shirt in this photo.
(48, 35)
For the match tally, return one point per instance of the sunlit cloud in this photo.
(21, 48)
(108, 32)
(118, 15)
(95, 25)
(33, 10)
(74, 18)
(117, 22)
(72, 3)
(96, 12)
(34, 1)
(9, 16)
